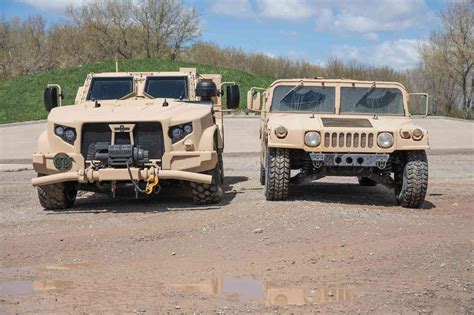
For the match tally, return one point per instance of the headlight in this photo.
(385, 140)
(312, 139)
(417, 134)
(281, 132)
(177, 133)
(68, 134)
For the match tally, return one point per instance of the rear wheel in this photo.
(365, 181)
(411, 181)
(277, 175)
(57, 196)
(204, 194)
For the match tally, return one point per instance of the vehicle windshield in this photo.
(167, 87)
(371, 100)
(300, 98)
(110, 88)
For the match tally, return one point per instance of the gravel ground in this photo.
(334, 246)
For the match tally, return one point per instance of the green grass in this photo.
(21, 98)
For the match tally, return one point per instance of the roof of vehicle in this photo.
(139, 74)
(334, 81)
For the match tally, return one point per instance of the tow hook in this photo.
(151, 183)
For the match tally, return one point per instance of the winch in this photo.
(117, 155)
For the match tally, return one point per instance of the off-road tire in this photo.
(57, 196)
(220, 162)
(277, 175)
(365, 181)
(262, 174)
(205, 194)
(411, 181)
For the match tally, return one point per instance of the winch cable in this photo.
(133, 182)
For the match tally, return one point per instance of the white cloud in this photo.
(57, 6)
(285, 9)
(371, 36)
(399, 54)
(235, 8)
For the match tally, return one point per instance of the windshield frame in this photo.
(367, 88)
(182, 77)
(111, 78)
(296, 86)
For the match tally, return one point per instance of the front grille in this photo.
(348, 140)
(149, 135)
(346, 122)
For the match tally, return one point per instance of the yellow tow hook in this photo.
(151, 183)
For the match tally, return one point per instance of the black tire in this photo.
(57, 196)
(411, 181)
(277, 175)
(262, 174)
(205, 194)
(365, 181)
(220, 160)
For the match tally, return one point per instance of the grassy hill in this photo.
(21, 98)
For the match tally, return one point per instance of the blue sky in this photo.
(372, 32)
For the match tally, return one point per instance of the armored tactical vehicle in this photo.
(324, 127)
(134, 129)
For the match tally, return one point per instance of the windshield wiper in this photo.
(366, 94)
(296, 87)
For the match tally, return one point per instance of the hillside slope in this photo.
(21, 98)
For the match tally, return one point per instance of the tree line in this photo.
(170, 29)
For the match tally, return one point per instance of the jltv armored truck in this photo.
(134, 129)
(341, 127)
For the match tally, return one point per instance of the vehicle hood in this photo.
(307, 121)
(130, 111)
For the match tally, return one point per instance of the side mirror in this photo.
(233, 96)
(254, 100)
(52, 97)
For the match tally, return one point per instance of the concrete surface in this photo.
(18, 141)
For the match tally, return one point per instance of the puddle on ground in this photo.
(249, 290)
(69, 266)
(20, 287)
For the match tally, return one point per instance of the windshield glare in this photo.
(167, 87)
(371, 100)
(110, 88)
(303, 99)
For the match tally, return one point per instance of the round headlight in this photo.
(312, 139)
(177, 133)
(69, 135)
(281, 132)
(188, 128)
(385, 140)
(59, 130)
(417, 134)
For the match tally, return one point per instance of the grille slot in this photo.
(346, 122)
(149, 135)
(348, 140)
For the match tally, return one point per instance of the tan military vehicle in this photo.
(134, 129)
(324, 127)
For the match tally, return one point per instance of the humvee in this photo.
(137, 129)
(339, 127)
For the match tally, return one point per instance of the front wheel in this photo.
(57, 196)
(204, 194)
(277, 174)
(411, 181)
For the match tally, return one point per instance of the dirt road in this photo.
(335, 246)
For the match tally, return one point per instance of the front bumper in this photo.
(185, 166)
(349, 159)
